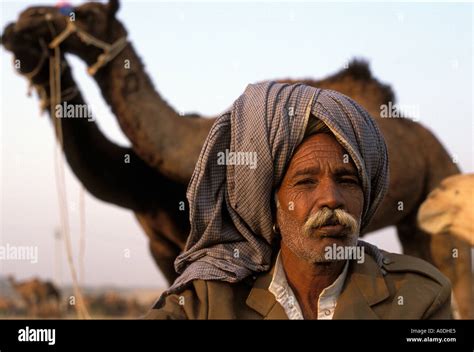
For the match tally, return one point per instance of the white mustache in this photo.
(326, 215)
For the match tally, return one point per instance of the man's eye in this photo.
(306, 181)
(350, 180)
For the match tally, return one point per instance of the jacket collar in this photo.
(364, 287)
(262, 300)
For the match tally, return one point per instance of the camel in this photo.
(165, 145)
(39, 296)
(7, 306)
(449, 209)
(111, 303)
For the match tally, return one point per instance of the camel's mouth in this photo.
(34, 23)
(435, 221)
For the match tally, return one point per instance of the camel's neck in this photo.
(126, 87)
(159, 135)
(94, 158)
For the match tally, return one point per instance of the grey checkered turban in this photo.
(231, 204)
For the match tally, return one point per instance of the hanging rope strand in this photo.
(110, 51)
(55, 93)
(82, 234)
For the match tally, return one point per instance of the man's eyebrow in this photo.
(345, 171)
(306, 171)
(338, 171)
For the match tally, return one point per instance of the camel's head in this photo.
(38, 26)
(450, 208)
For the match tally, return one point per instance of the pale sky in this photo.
(200, 57)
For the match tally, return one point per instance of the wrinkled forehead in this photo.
(321, 147)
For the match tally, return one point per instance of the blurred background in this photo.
(200, 57)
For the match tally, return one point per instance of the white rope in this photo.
(110, 50)
(58, 257)
(56, 96)
(55, 99)
(82, 234)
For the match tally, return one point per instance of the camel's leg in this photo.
(35, 308)
(54, 304)
(59, 307)
(164, 249)
(164, 253)
(414, 241)
(451, 256)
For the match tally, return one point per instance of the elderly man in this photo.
(286, 181)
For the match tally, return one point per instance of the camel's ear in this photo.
(114, 6)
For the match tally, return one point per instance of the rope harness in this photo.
(55, 98)
(56, 67)
(110, 50)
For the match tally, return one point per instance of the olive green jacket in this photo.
(403, 288)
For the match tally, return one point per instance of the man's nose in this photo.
(328, 195)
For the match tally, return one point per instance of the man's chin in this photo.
(313, 248)
(318, 259)
(316, 248)
(338, 240)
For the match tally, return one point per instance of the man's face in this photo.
(320, 199)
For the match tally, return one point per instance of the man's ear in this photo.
(275, 198)
(114, 6)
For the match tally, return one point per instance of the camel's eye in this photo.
(88, 17)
